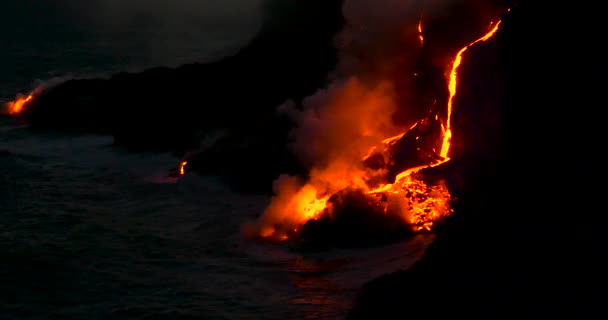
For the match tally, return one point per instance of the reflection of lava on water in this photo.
(368, 176)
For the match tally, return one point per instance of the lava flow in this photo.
(182, 168)
(409, 197)
(448, 132)
(16, 107)
(420, 34)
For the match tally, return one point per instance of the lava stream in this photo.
(447, 137)
(419, 204)
(16, 107)
(404, 182)
(420, 34)
(182, 168)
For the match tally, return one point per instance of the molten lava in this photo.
(420, 34)
(431, 203)
(409, 197)
(182, 168)
(447, 135)
(17, 106)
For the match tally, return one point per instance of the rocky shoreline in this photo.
(169, 109)
(519, 242)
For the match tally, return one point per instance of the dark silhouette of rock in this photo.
(168, 109)
(250, 161)
(353, 219)
(525, 240)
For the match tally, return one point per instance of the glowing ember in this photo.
(424, 204)
(16, 107)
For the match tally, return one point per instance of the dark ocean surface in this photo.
(41, 39)
(90, 231)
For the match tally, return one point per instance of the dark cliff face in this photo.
(169, 109)
(525, 240)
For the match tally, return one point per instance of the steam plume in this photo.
(385, 81)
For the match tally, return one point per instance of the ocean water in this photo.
(41, 39)
(88, 230)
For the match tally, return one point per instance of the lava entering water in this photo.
(182, 168)
(409, 197)
(16, 107)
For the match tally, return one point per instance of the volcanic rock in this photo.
(418, 147)
(353, 219)
(169, 109)
(522, 242)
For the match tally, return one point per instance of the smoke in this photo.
(378, 38)
(17, 105)
(174, 11)
(44, 85)
(172, 32)
(355, 111)
(389, 76)
(341, 121)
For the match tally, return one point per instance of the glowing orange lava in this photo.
(389, 141)
(307, 204)
(420, 35)
(182, 168)
(435, 204)
(419, 204)
(16, 107)
(447, 134)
